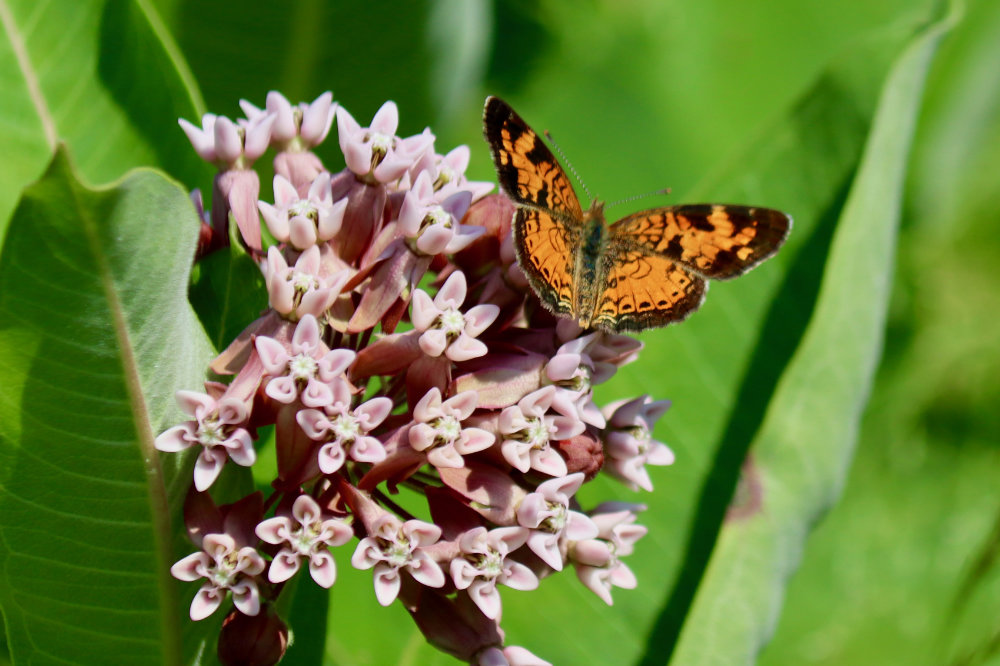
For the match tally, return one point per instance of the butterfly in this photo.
(646, 270)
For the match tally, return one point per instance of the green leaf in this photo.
(96, 334)
(102, 77)
(799, 457)
(905, 569)
(228, 291)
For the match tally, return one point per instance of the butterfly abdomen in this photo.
(589, 267)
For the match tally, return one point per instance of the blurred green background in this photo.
(646, 94)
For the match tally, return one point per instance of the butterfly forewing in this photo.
(526, 168)
(715, 240)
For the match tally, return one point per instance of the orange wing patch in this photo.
(546, 250)
(526, 168)
(717, 241)
(644, 291)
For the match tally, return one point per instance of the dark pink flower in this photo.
(467, 411)
(252, 640)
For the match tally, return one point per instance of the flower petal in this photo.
(323, 569)
(284, 565)
(207, 599)
(387, 584)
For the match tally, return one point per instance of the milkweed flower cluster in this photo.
(402, 346)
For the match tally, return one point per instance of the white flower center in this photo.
(437, 215)
(302, 281)
(302, 366)
(448, 428)
(397, 553)
(445, 175)
(641, 434)
(224, 574)
(537, 433)
(490, 564)
(452, 321)
(555, 523)
(381, 143)
(302, 207)
(210, 433)
(304, 540)
(346, 427)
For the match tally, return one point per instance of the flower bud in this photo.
(259, 640)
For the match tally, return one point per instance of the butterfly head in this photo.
(596, 211)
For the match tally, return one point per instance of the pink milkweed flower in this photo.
(303, 221)
(432, 228)
(547, 514)
(528, 429)
(445, 328)
(396, 546)
(216, 428)
(597, 560)
(447, 174)
(297, 127)
(439, 430)
(512, 655)
(306, 535)
(629, 442)
(296, 292)
(306, 370)
(226, 568)
(483, 563)
(575, 374)
(345, 432)
(375, 153)
(227, 145)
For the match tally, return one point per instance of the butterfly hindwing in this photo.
(714, 240)
(645, 290)
(527, 170)
(546, 250)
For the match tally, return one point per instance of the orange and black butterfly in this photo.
(647, 269)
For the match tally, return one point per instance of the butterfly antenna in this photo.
(569, 165)
(663, 190)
